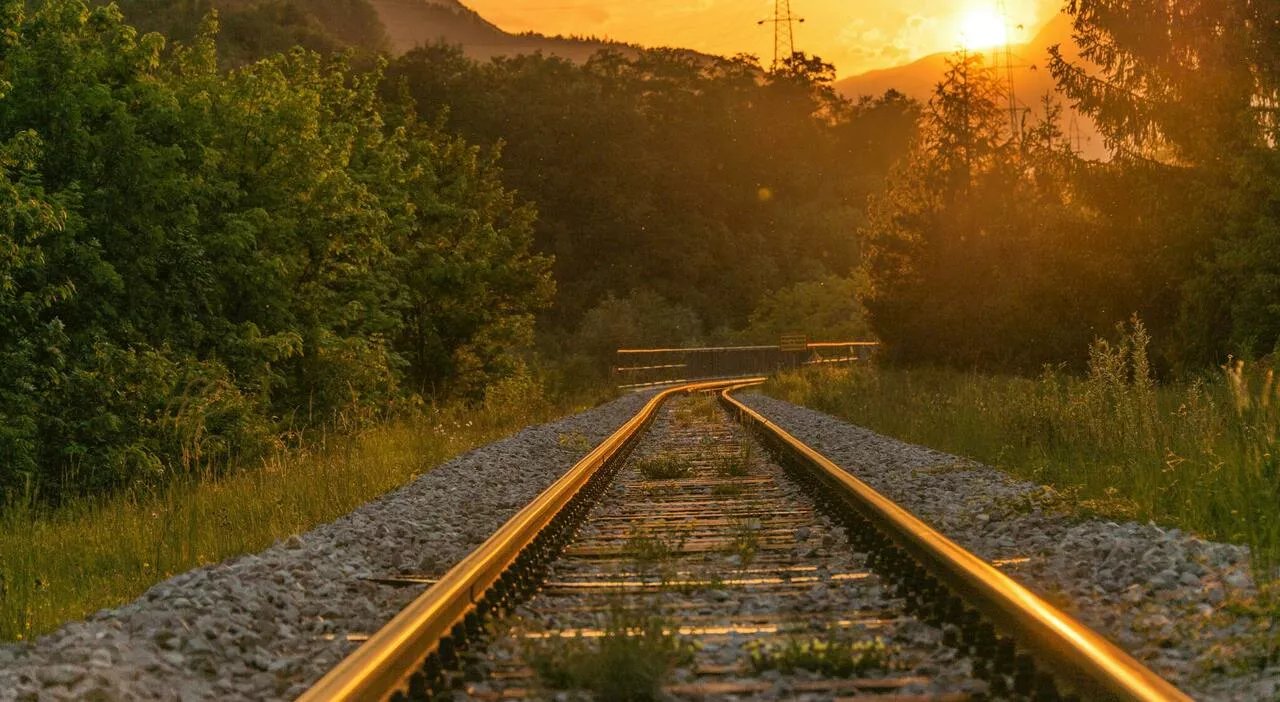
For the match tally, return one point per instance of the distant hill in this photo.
(1031, 79)
(251, 29)
(409, 23)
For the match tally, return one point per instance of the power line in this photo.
(1015, 124)
(784, 37)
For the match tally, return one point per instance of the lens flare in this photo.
(982, 28)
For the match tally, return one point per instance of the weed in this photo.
(830, 656)
(664, 466)
(737, 465)
(728, 490)
(745, 541)
(629, 662)
(1041, 499)
(673, 582)
(575, 441)
(648, 549)
(1257, 647)
(699, 409)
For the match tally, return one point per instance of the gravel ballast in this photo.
(707, 567)
(265, 626)
(1158, 593)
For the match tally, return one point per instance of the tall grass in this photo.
(1198, 454)
(60, 564)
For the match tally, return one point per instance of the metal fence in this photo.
(636, 368)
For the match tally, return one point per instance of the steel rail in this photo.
(382, 665)
(1080, 659)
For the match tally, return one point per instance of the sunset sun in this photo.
(981, 28)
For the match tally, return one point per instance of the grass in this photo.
(650, 549)
(728, 490)
(1198, 454)
(737, 465)
(830, 656)
(702, 408)
(664, 466)
(574, 441)
(745, 541)
(628, 663)
(60, 565)
(1257, 647)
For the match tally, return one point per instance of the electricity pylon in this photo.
(784, 36)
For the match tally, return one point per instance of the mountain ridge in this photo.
(1032, 79)
(411, 23)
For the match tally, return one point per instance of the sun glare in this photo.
(982, 28)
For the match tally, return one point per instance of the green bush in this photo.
(193, 260)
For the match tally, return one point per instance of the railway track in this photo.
(702, 553)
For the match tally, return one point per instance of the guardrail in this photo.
(636, 368)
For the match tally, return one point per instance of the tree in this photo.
(981, 252)
(194, 260)
(707, 181)
(1192, 89)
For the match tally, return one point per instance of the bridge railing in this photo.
(636, 368)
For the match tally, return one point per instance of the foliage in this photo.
(832, 656)
(981, 252)
(59, 565)
(1198, 453)
(1191, 91)
(629, 662)
(642, 319)
(671, 178)
(196, 260)
(256, 29)
(827, 309)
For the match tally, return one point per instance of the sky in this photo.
(855, 35)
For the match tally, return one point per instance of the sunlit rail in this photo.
(399, 659)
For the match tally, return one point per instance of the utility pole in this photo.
(1015, 124)
(784, 37)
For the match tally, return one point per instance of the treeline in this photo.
(201, 258)
(998, 248)
(194, 261)
(253, 29)
(693, 185)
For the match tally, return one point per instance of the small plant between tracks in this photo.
(831, 655)
(664, 466)
(737, 465)
(628, 662)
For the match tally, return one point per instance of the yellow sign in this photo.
(794, 342)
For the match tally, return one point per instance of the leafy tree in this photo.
(980, 252)
(707, 181)
(1192, 91)
(195, 260)
(825, 310)
(255, 29)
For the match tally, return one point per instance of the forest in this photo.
(222, 228)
